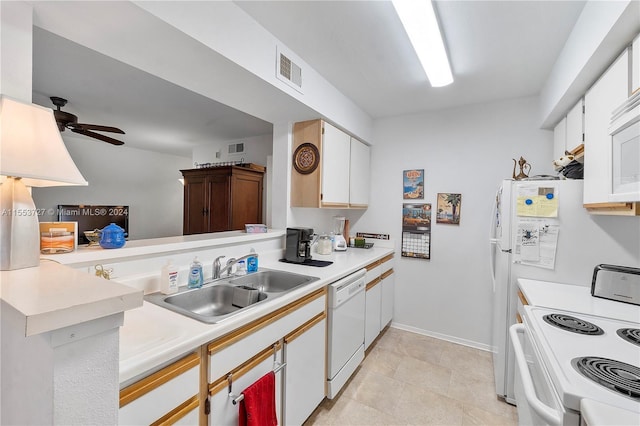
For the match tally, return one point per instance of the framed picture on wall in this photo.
(413, 184)
(449, 206)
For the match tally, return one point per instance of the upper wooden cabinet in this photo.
(330, 168)
(222, 198)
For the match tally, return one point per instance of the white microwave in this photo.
(625, 151)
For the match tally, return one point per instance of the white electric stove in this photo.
(564, 358)
(574, 359)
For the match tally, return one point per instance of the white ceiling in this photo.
(498, 50)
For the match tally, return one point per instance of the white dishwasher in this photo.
(346, 330)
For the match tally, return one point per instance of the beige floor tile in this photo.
(418, 406)
(410, 379)
(473, 362)
(422, 347)
(382, 361)
(377, 391)
(477, 392)
(424, 374)
(476, 416)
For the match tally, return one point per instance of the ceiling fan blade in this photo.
(98, 136)
(99, 128)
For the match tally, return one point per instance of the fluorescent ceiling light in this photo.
(420, 23)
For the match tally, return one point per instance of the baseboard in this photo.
(457, 340)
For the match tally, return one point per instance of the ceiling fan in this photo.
(69, 121)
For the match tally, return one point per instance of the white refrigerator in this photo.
(541, 231)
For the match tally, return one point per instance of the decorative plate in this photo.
(306, 158)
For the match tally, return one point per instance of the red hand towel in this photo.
(258, 408)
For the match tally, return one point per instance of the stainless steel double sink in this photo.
(214, 301)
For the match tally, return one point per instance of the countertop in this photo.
(153, 336)
(52, 296)
(596, 413)
(575, 298)
(154, 246)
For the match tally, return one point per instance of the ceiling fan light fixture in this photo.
(419, 20)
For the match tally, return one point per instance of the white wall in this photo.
(257, 149)
(118, 175)
(467, 151)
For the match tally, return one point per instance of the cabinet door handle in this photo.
(205, 211)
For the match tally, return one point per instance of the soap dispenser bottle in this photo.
(196, 276)
(252, 262)
(169, 278)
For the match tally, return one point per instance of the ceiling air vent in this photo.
(288, 71)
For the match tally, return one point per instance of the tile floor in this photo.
(410, 379)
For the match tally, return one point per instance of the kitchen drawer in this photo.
(373, 271)
(227, 353)
(168, 393)
(386, 263)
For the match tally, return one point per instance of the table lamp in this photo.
(32, 153)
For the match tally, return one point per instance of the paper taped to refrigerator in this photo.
(536, 242)
(537, 201)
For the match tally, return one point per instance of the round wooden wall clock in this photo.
(306, 158)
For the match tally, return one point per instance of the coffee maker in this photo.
(298, 245)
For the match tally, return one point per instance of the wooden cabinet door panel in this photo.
(246, 201)
(195, 220)
(219, 193)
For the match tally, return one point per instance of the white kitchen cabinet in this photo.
(560, 138)
(248, 353)
(359, 174)
(325, 160)
(379, 297)
(609, 92)
(372, 312)
(569, 132)
(387, 285)
(250, 368)
(305, 370)
(336, 151)
(635, 64)
(170, 395)
(575, 126)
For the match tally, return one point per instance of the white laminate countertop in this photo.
(153, 336)
(596, 413)
(153, 246)
(52, 296)
(575, 298)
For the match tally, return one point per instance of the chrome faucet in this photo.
(218, 270)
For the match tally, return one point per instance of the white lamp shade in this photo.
(31, 146)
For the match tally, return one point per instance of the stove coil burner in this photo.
(573, 324)
(615, 375)
(631, 335)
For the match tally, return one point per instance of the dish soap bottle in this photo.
(195, 274)
(252, 262)
(169, 278)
